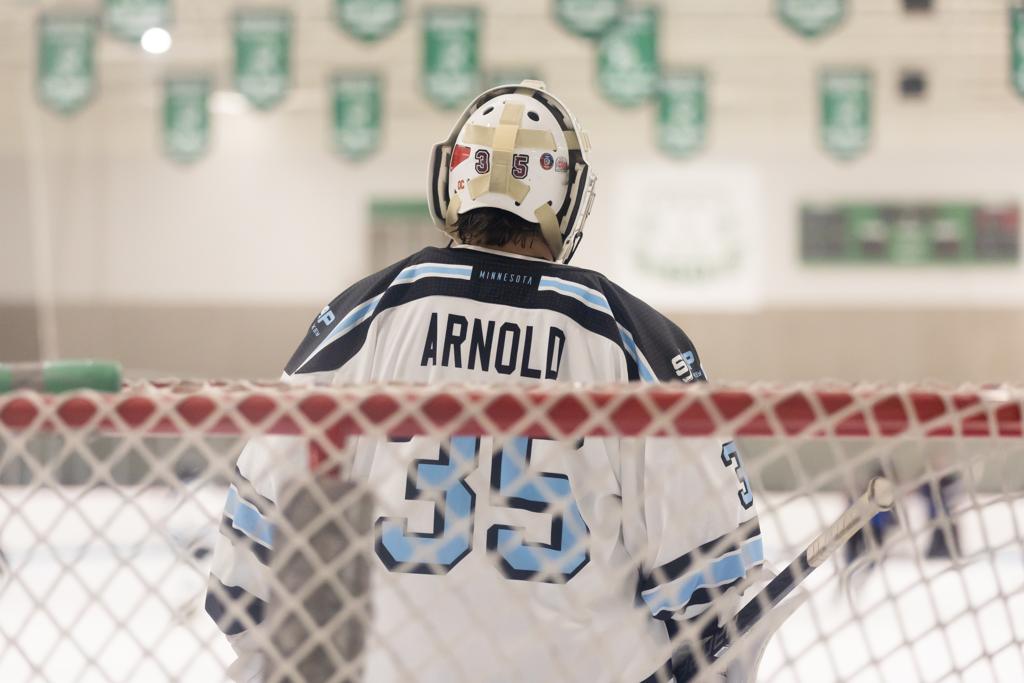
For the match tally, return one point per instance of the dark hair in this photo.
(489, 227)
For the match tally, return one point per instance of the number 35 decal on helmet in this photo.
(513, 134)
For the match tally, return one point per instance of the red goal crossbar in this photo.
(554, 411)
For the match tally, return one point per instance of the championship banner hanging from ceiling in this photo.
(589, 18)
(368, 19)
(811, 18)
(682, 111)
(129, 19)
(356, 114)
(846, 111)
(66, 70)
(1017, 47)
(451, 62)
(262, 59)
(627, 58)
(186, 118)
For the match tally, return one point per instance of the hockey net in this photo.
(111, 506)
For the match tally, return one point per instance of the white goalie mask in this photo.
(518, 149)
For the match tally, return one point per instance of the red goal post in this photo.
(554, 411)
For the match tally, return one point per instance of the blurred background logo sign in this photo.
(1017, 47)
(694, 234)
(186, 118)
(451, 64)
(682, 111)
(356, 114)
(627, 66)
(368, 19)
(811, 17)
(66, 68)
(262, 64)
(588, 18)
(129, 19)
(846, 111)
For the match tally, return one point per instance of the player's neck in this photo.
(536, 248)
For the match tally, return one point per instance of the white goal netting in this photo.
(506, 534)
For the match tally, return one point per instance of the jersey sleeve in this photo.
(659, 350)
(238, 594)
(701, 532)
(339, 333)
(239, 587)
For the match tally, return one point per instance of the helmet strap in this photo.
(549, 229)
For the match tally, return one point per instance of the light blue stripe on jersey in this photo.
(588, 296)
(366, 309)
(413, 273)
(596, 300)
(726, 569)
(638, 357)
(246, 518)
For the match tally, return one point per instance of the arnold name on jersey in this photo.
(510, 349)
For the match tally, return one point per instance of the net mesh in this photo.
(506, 533)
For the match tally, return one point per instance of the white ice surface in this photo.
(104, 599)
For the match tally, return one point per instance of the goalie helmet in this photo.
(518, 149)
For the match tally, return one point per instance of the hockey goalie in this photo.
(500, 559)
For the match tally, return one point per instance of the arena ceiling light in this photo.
(156, 41)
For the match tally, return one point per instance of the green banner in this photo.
(910, 234)
(1017, 47)
(811, 18)
(682, 111)
(451, 62)
(589, 18)
(186, 118)
(368, 19)
(510, 75)
(66, 70)
(846, 111)
(262, 59)
(356, 114)
(129, 19)
(627, 58)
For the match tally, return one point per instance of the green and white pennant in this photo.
(682, 111)
(262, 55)
(811, 18)
(356, 114)
(627, 58)
(451, 60)
(846, 111)
(1017, 48)
(589, 18)
(186, 117)
(129, 19)
(65, 78)
(368, 19)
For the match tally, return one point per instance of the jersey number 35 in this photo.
(442, 481)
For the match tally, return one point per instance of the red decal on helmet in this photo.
(459, 154)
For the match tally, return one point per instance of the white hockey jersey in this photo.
(527, 560)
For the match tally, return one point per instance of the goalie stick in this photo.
(879, 496)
